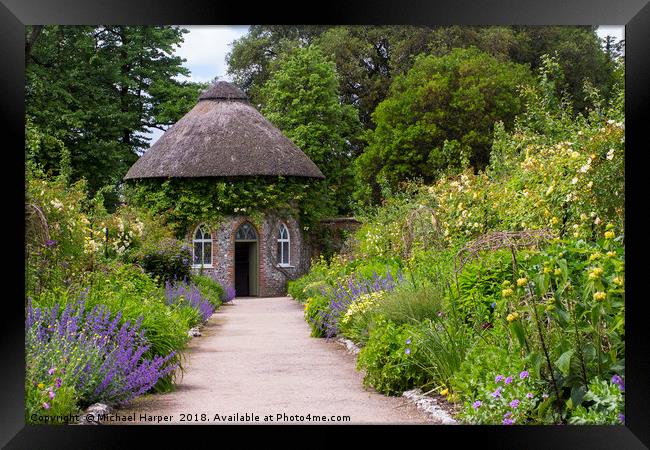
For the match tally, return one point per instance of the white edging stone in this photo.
(350, 346)
(430, 406)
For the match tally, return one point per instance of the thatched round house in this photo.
(225, 138)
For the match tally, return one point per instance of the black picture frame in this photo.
(634, 14)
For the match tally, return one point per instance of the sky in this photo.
(205, 48)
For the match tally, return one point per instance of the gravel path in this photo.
(256, 358)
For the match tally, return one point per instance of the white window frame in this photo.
(282, 240)
(203, 241)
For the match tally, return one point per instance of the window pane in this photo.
(198, 234)
(285, 253)
(197, 253)
(279, 252)
(207, 253)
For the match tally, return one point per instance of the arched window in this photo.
(202, 248)
(284, 251)
(246, 232)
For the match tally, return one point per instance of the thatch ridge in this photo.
(223, 137)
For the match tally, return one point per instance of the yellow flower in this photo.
(512, 316)
(594, 256)
(611, 254)
(609, 235)
(557, 272)
(618, 281)
(506, 292)
(554, 220)
(596, 273)
(600, 296)
(547, 270)
(41, 385)
(521, 281)
(445, 391)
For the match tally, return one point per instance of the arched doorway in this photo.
(246, 260)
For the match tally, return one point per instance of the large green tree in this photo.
(301, 98)
(97, 91)
(368, 57)
(439, 116)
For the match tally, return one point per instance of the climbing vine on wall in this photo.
(183, 202)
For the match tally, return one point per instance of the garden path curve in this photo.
(256, 356)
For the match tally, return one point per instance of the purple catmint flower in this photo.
(529, 395)
(496, 393)
(508, 421)
(523, 374)
(476, 405)
(616, 379)
(50, 243)
(508, 380)
(513, 404)
(498, 378)
(57, 383)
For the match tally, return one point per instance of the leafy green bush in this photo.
(604, 404)
(411, 304)
(210, 289)
(388, 359)
(169, 260)
(315, 314)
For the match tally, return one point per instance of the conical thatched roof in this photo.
(223, 135)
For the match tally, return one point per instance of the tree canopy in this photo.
(438, 115)
(301, 98)
(96, 91)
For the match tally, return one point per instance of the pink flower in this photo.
(52, 395)
(52, 370)
(46, 405)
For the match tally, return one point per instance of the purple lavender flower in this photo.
(508, 380)
(498, 378)
(57, 383)
(508, 421)
(497, 393)
(513, 404)
(523, 374)
(50, 243)
(476, 405)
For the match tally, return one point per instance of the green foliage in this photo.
(411, 304)
(511, 400)
(604, 404)
(301, 99)
(437, 115)
(315, 309)
(210, 289)
(184, 203)
(387, 359)
(96, 90)
(36, 397)
(169, 260)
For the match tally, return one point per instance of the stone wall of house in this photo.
(272, 279)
